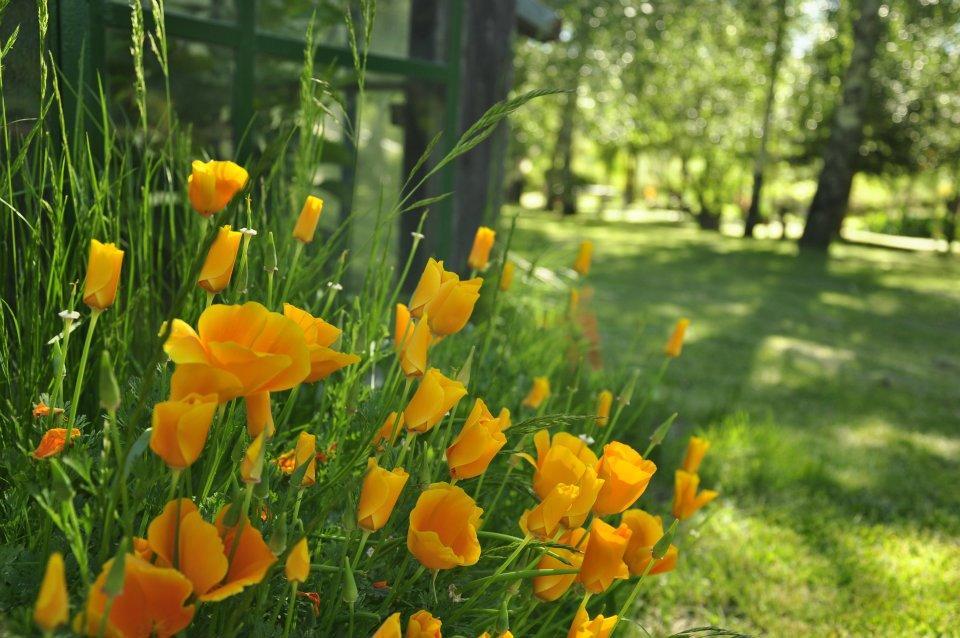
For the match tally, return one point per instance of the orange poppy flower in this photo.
(238, 351)
(152, 603)
(319, 336)
(52, 442)
(207, 556)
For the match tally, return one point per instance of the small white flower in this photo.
(586, 438)
(72, 315)
(417, 236)
(335, 286)
(454, 593)
(249, 232)
(369, 552)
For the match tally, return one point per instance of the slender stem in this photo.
(288, 280)
(363, 541)
(94, 315)
(628, 603)
(290, 608)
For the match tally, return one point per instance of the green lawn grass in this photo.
(831, 392)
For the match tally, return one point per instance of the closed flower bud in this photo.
(251, 467)
(552, 586)
(320, 336)
(646, 530)
(539, 392)
(103, 275)
(506, 276)
(582, 263)
(443, 528)
(603, 556)
(696, 449)
(297, 567)
(305, 453)
(423, 625)
(379, 494)
(604, 401)
(180, 428)
(412, 339)
(599, 626)
(52, 442)
(109, 389)
(626, 475)
(391, 427)
(686, 499)
(218, 266)
(544, 520)
(213, 184)
(435, 396)
(259, 414)
(675, 342)
(446, 300)
(307, 222)
(478, 442)
(482, 243)
(53, 605)
(390, 628)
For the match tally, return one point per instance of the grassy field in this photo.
(831, 392)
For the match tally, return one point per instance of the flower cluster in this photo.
(415, 470)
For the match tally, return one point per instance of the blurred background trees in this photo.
(733, 112)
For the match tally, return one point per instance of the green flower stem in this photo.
(523, 573)
(94, 315)
(632, 598)
(288, 280)
(290, 609)
(608, 431)
(363, 541)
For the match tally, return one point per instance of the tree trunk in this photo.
(829, 205)
(630, 179)
(486, 79)
(421, 111)
(753, 214)
(564, 191)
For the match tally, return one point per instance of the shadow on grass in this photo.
(854, 358)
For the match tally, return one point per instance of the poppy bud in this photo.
(443, 528)
(180, 429)
(603, 556)
(297, 567)
(686, 499)
(211, 185)
(604, 401)
(435, 396)
(444, 298)
(626, 475)
(103, 275)
(539, 392)
(582, 263)
(390, 628)
(52, 607)
(379, 494)
(675, 342)
(478, 442)
(218, 266)
(423, 625)
(506, 276)
(309, 217)
(482, 243)
(696, 449)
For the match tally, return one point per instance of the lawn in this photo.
(831, 393)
